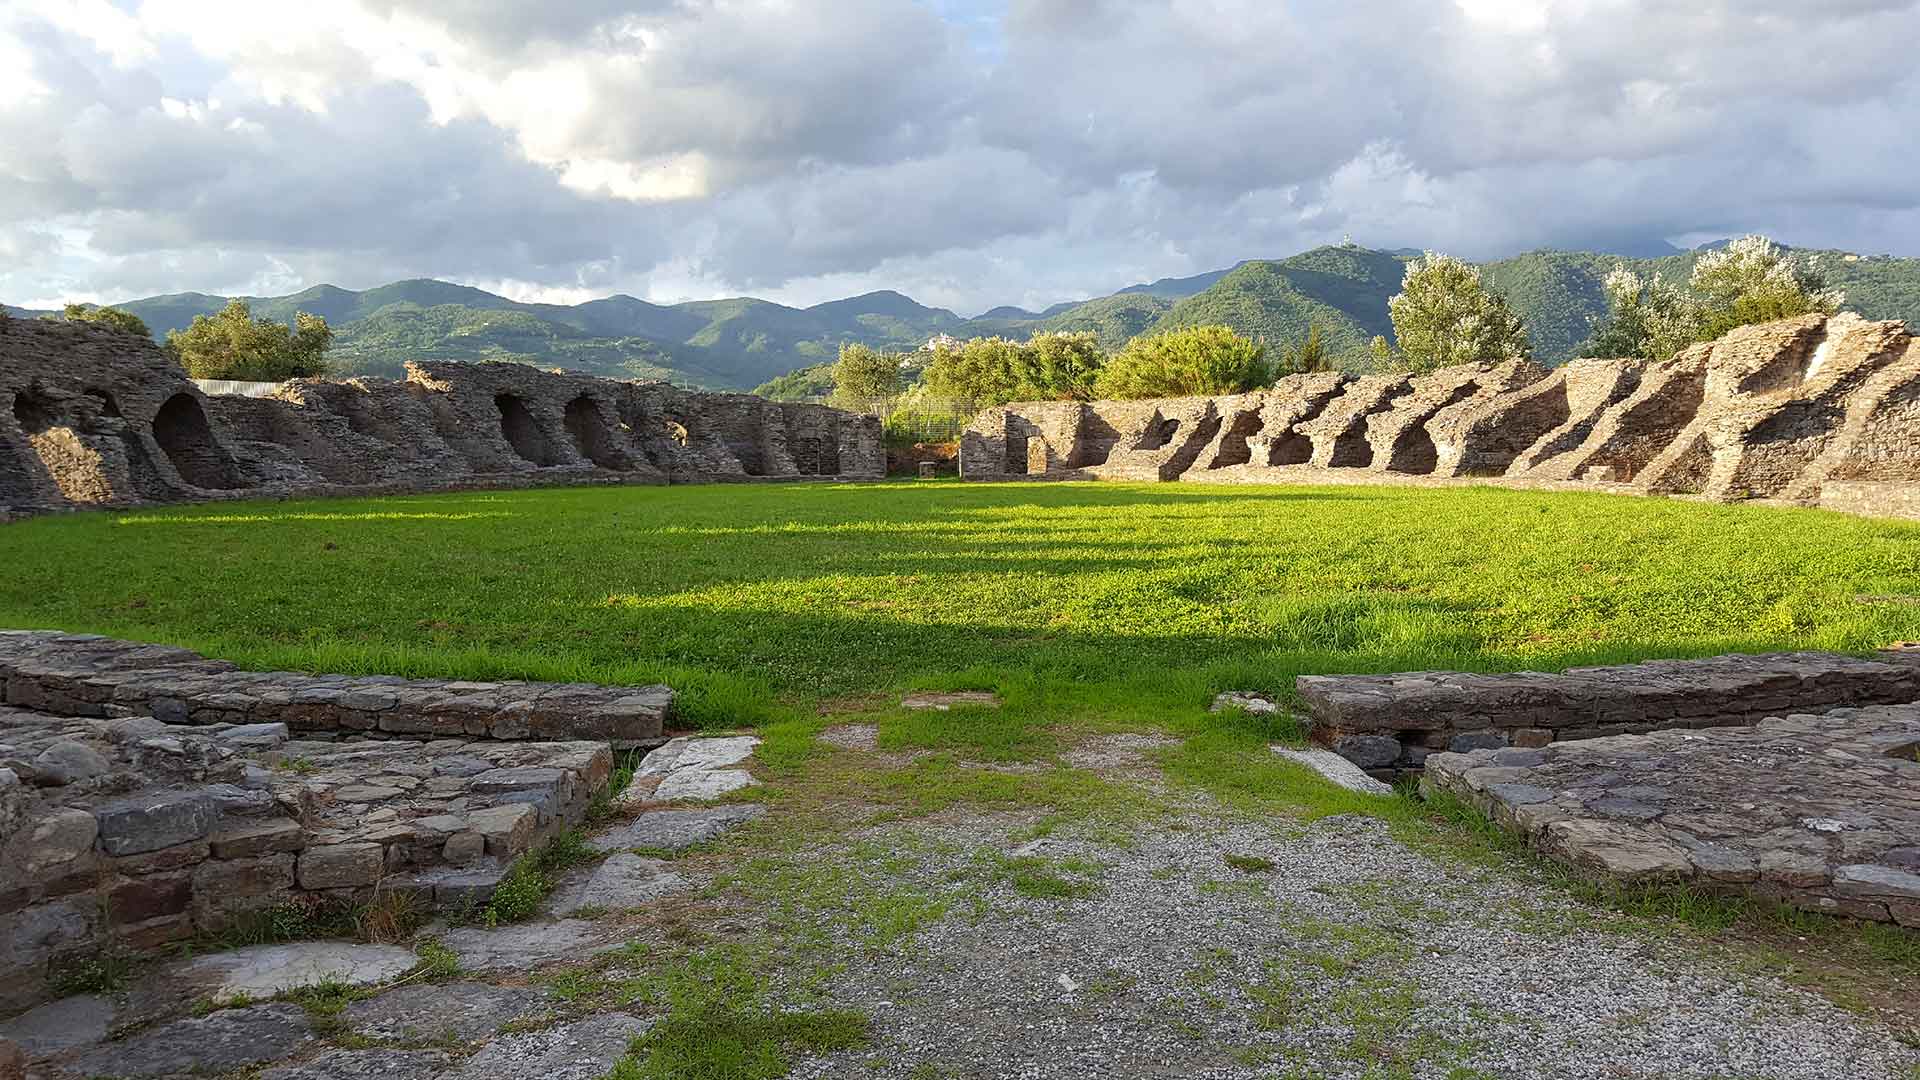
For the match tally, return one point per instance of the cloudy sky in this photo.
(967, 152)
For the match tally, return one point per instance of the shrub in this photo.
(1444, 316)
(125, 321)
(1181, 363)
(1749, 281)
(994, 370)
(864, 374)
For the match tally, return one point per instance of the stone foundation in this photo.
(92, 417)
(1389, 724)
(1820, 812)
(128, 833)
(87, 675)
(1813, 411)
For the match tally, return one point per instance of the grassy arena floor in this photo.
(1075, 601)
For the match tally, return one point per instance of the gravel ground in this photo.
(1351, 956)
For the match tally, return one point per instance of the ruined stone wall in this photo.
(1815, 410)
(90, 416)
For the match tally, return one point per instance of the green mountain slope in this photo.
(743, 342)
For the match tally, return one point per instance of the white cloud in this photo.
(969, 154)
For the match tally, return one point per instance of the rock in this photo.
(526, 945)
(702, 784)
(1336, 769)
(151, 822)
(13, 1061)
(432, 1012)
(1246, 701)
(1624, 852)
(68, 762)
(231, 1039)
(623, 881)
(59, 1026)
(262, 839)
(677, 830)
(254, 736)
(1476, 740)
(944, 702)
(1876, 881)
(367, 1065)
(463, 848)
(1369, 751)
(261, 971)
(508, 830)
(340, 866)
(583, 1050)
(56, 841)
(691, 752)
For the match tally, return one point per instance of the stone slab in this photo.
(368, 1065)
(432, 1012)
(527, 945)
(1336, 769)
(261, 971)
(622, 882)
(702, 784)
(1818, 811)
(583, 1050)
(223, 1041)
(59, 1026)
(676, 830)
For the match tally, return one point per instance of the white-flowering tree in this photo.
(1749, 281)
(1443, 315)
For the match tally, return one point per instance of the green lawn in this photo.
(1077, 602)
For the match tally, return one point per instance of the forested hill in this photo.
(745, 342)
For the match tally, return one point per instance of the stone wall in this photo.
(93, 417)
(1814, 410)
(1389, 724)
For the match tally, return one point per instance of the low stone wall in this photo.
(88, 675)
(1812, 411)
(1388, 724)
(93, 417)
(125, 834)
(1820, 812)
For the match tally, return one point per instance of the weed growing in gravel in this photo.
(437, 963)
(1251, 864)
(325, 1002)
(103, 972)
(530, 878)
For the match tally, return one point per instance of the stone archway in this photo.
(592, 435)
(522, 431)
(181, 429)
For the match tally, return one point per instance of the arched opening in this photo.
(522, 432)
(180, 427)
(1233, 448)
(1351, 450)
(816, 449)
(591, 435)
(1290, 448)
(1094, 442)
(1159, 433)
(33, 413)
(1414, 452)
(1017, 455)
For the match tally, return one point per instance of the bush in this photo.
(1181, 363)
(125, 321)
(1444, 316)
(864, 374)
(235, 345)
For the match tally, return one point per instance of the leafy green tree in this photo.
(1444, 316)
(1381, 353)
(995, 370)
(1309, 356)
(125, 321)
(1180, 363)
(234, 345)
(864, 374)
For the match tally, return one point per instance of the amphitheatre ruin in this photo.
(151, 796)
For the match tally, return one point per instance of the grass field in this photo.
(1109, 602)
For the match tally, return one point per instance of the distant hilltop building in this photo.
(940, 341)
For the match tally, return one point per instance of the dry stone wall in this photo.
(1389, 724)
(91, 417)
(1816, 410)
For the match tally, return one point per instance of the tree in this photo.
(1307, 357)
(864, 374)
(994, 370)
(1753, 281)
(1181, 363)
(234, 345)
(1646, 317)
(1444, 316)
(1749, 281)
(1381, 353)
(114, 317)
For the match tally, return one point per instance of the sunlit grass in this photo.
(1078, 603)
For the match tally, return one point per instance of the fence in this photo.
(921, 420)
(236, 388)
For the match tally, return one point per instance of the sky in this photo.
(969, 153)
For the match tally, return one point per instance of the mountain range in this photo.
(745, 342)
